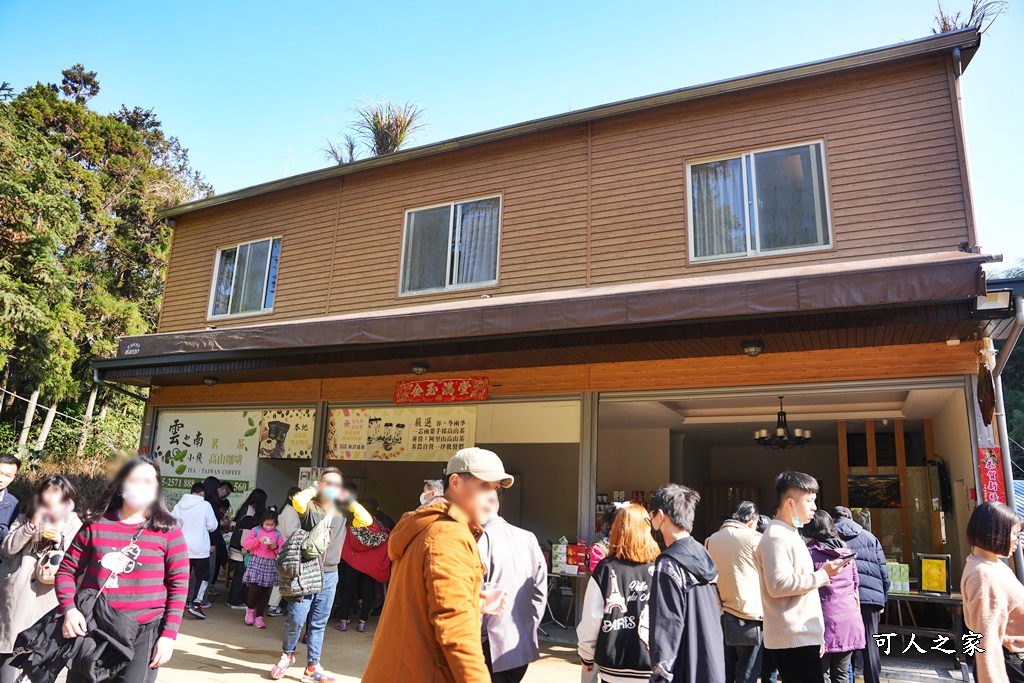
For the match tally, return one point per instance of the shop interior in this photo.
(707, 443)
(538, 443)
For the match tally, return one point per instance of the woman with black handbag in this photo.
(29, 557)
(132, 551)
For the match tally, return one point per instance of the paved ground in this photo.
(224, 649)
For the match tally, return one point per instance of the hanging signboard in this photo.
(403, 434)
(990, 465)
(441, 390)
(287, 433)
(193, 445)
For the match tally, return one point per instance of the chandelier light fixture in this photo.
(781, 437)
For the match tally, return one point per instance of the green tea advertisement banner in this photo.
(193, 445)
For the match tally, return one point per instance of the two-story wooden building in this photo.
(622, 293)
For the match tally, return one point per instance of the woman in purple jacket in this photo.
(844, 628)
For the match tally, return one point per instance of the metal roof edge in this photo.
(965, 39)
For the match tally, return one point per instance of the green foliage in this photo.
(381, 125)
(983, 13)
(82, 252)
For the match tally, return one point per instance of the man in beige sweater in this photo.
(732, 549)
(794, 629)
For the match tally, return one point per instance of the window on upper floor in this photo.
(451, 246)
(245, 278)
(758, 203)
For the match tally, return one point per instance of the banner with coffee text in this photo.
(193, 445)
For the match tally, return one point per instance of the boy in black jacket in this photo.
(686, 631)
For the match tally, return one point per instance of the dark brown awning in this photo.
(935, 291)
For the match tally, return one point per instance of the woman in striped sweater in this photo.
(149, 582)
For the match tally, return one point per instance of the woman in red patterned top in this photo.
(150, 582)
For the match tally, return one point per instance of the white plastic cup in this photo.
(492, 596)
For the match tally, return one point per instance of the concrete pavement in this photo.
(224, 649)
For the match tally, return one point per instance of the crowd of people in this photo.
(794, 596)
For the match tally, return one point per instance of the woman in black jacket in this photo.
(246, 519)
(613, 632)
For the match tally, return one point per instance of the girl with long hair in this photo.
(249, 514)
(132, 548)
(46, 527)
(613, 633)
(993, 597)
(840, 603)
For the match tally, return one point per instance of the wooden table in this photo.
(953, 602)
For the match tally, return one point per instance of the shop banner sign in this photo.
(426, 434)
(993, 486)
(441, 390)
(287, 433)
(193, 445)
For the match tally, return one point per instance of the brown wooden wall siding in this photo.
(911, 360)
(892, 159)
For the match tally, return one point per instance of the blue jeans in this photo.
(318, 609)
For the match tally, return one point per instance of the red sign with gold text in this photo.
(993, 485)
(447, 390)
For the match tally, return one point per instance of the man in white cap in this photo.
(430, 627)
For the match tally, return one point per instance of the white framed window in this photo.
(760, 202)
(245, 278)
(451, 246)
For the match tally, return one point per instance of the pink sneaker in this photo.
(281, 668)
(361, 627)
(342, 625)
(260, 623)
(250, 616)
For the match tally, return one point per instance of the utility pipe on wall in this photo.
(1004, 435)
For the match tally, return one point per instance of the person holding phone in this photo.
(840, 604)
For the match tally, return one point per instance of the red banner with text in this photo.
(446, 390)
(993, 485)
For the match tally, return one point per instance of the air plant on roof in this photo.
(983, 14)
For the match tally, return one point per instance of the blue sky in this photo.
(253, 89)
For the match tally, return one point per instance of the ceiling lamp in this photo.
(781, 437)
(419, 368)
(752, 347)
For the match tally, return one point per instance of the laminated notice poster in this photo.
(403, 434)
(287, 433)
(193, 445)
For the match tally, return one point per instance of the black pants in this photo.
(769, 673)
(1014, 667)
(259, 596)
(138, 670)
(352, 583)
(835, 667)
(798, 664)
(201, 574)
(872, 655)
(511, 676)
(237, 591)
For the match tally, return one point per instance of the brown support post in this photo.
(869, 431)
(844, 463)
(901, 469)
(929, 452)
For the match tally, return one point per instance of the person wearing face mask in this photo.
(432, 488)
(993, 597)
(430, 627)
(794, 628)
(146, 579)
(327, 502)
(685, 630)
(49, 522)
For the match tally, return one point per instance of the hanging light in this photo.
(781, 437)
